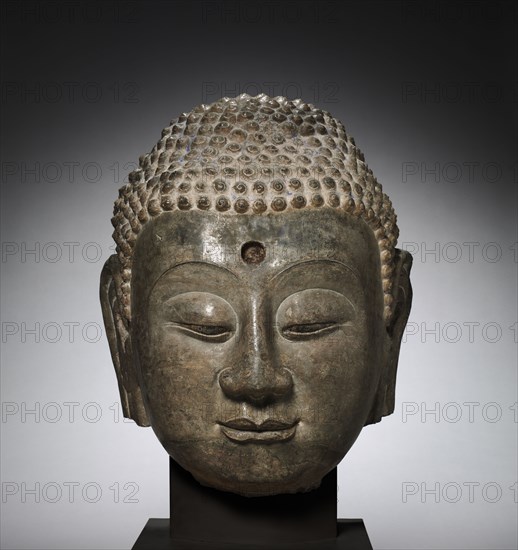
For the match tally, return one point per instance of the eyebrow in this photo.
(318, 261)
(352, 270)
(193, 262)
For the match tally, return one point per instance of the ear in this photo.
(385, 399)
(119, 339)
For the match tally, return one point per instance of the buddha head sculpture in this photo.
(256, 303)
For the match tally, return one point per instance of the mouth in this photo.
(244, 430)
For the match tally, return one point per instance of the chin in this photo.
(258, 470)
(260, 488)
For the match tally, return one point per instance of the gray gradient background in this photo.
(355, 60)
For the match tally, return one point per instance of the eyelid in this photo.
(314, 312)
(191, 331)
(197, 309)
(320, 328)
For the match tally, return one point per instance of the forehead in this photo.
(211, 240)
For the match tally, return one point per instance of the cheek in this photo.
(180, 378)
(334, 375)
(342, 355)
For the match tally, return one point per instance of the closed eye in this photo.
(309, 329)
(218, 333)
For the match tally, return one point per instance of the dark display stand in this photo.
(215, 520)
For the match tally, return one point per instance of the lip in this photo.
(244, 430)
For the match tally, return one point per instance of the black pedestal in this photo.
(351, 536)
(211, 520)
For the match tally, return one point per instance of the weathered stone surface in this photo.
(256, 303)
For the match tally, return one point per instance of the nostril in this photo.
(256, 385)
(225, 379)
(284, 383)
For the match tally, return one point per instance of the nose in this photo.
(257, 377)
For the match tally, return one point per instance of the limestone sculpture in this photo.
(256, 303)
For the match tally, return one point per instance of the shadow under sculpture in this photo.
(257, 300)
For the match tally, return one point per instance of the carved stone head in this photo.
(257, 300)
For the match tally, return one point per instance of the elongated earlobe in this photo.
(119, 340)
(385, 398)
